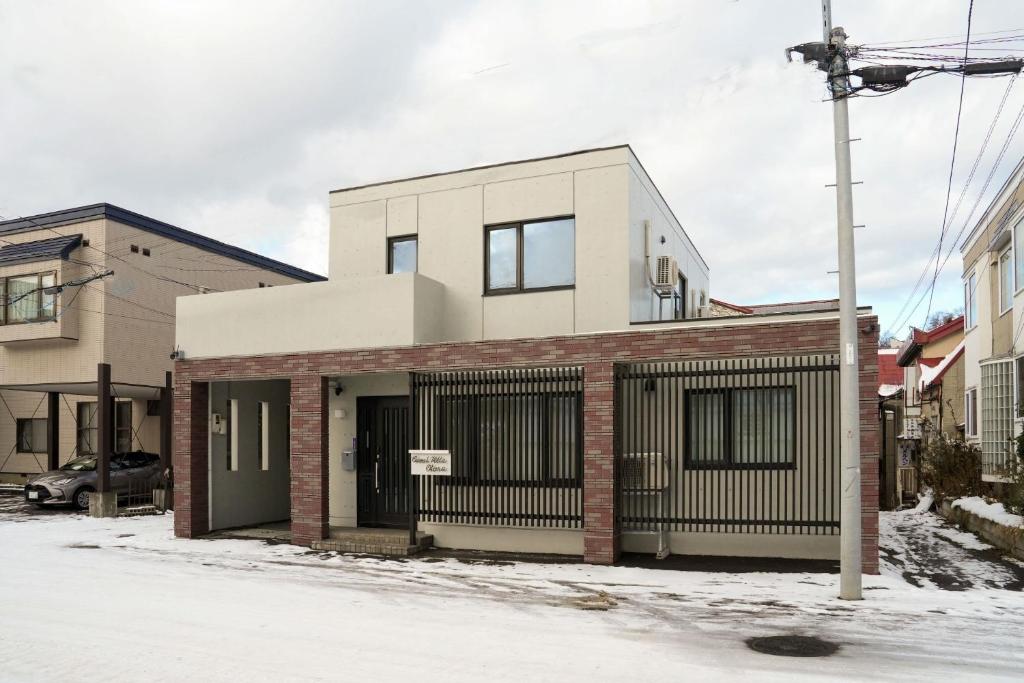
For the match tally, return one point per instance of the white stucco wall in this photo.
(397, 310)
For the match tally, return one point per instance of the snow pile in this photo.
(928, 375)
(887, 390)
(994, 512)
(924, 504)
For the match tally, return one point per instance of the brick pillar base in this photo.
(191, 459)
(601, 535)
(869, 445)
(309, 458)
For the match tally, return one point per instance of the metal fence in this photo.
(516, 442)
(735, 445)
(137, 496)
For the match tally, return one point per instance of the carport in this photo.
(107, 394)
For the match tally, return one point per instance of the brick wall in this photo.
(597, 353)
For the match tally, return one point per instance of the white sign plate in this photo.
(431, 463)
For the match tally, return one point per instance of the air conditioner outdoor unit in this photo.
(667, 273)
(644, 473)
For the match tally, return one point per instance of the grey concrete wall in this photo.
(250, 495)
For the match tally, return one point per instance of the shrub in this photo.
(1011, 494)
(951, 467)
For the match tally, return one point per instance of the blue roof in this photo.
(136, 220)
(40, 250)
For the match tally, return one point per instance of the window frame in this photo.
(1018, 256)
(728, 463)
(970, 299)
(120, 408)
(519, 288)
(392, 241)
(1007, 255)
(91, 428)
(20, 425)
(682, 287)
(473, 478)
(971, 412)
(5, 288)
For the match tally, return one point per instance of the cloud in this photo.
(237, 120)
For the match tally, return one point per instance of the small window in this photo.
(31, 435)
(402, 254)
(263, 434)
(122, 426)
(679, 299)
(232, 431)
(970, 301)
(534, 255)
(971, 412)
(262, 285)
(86, 431)
(751, 428)
(1005, 282)
(145, 251)
(1018, 255)
(135, 249)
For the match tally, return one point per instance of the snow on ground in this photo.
(122, 599)
(994, 512)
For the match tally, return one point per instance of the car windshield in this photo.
(80, 464)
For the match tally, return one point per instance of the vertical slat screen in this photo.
(745, 445)
(516, 442)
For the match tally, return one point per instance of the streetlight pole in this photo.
(849, 380)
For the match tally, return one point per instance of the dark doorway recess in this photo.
(383, 461)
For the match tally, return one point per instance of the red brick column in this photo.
(869, 454)
(191, 458)
(601, 535)
(309, 486)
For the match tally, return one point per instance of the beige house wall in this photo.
(126, 320)
(608, 193)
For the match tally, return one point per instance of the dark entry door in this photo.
(383, 469)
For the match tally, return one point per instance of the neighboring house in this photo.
(933, 367)
(52, 340)
(892, 449)
(993, 286)
(546, 323)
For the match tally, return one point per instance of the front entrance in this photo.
(383, 461)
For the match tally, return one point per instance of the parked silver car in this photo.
(76, 479)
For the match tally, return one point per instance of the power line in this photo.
(936, 252)
(952, 161)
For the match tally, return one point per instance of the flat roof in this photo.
(136, 220)
(481, 168)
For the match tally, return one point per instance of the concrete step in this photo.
(370, 543)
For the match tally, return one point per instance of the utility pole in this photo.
(833, 56)
(849, 366)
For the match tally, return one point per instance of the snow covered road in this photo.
(122, 599)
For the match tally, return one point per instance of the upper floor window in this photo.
(1005, 281)
(402, 254)
(679, 299)
(970, 300)
(24, 299)
(532, 255)
(1018, 255)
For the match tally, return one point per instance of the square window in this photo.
(402, 256)
(31, 435)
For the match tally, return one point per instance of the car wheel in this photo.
(81, 498)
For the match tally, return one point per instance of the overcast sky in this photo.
(235, 119)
